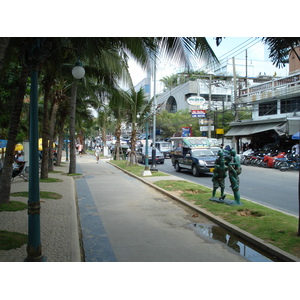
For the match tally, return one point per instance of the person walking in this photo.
(97, 153)
(80, 148)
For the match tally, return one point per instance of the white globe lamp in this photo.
(78, 70)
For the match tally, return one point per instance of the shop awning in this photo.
(294, 125)
(245, 130)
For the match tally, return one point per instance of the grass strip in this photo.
(13, 206)
(12, 240)
(43, 194)
(135, 169)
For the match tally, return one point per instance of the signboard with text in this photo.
(198, 113)
(196, 100)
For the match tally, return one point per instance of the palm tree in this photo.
(279, 48)
(5, 183)
(4, 42)
(138, 105)
(118, 104)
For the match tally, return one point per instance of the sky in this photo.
(230, 47)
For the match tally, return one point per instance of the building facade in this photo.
(215, 92)
(275, 111)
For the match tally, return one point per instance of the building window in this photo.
(290, 105)
(266, 109)
(171, 105)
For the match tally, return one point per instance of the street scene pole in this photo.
(34, 247)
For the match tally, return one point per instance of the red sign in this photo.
(198, 113)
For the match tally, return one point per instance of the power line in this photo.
(234, 52)
(227, 53)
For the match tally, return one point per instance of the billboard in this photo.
(186, 131)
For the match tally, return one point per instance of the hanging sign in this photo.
(196, 100)
(198, 113)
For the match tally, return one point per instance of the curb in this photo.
(259, 243)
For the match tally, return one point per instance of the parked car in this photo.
(165, 148)
(193, 154)
(196, 160)
(141, 156)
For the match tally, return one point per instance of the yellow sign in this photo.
(219, 131)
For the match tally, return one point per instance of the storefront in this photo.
(263, 134)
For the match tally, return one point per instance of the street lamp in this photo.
(34, 246)
(78, 70)
(153, 162)
(146, 171)
(78, 73)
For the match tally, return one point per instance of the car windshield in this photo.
(165, 146)
(150, 151)
(203, 152)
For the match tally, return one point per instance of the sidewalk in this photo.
(58, 219)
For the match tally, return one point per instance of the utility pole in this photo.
(235, 90)
(153, 162)
(209, 108)
(235, 101)
(246, 69)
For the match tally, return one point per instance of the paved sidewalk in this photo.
(58, 218)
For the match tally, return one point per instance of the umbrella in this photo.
(3, 143)
(41, 146)
(19, 147)
(296, 136)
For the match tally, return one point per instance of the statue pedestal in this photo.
(224, 200)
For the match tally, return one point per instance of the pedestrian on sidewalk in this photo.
(97, 153)
(80, 149)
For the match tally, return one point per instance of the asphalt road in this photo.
(270, 187)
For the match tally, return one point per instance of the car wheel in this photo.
(177, 168)
(195, 171)
(283, 166)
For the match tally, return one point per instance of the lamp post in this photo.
(67, 145)
(34, 246)
(147, 171)
(153, 162)
(78, 73)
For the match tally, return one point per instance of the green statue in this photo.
(234, 170)
(219, 175)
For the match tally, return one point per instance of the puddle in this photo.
(242, 247)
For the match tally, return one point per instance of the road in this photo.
(270, 187)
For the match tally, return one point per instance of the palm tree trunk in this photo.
(118, 141)
(5, 181)
(133, 159)
(72, 166)
(4, 42)
(51, 135)
(61, 138)
(45, 130)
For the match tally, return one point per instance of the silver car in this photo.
(141, 156)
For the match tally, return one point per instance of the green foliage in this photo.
(13, 206)
(12, 240)
(134, 169)
(43, 194)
